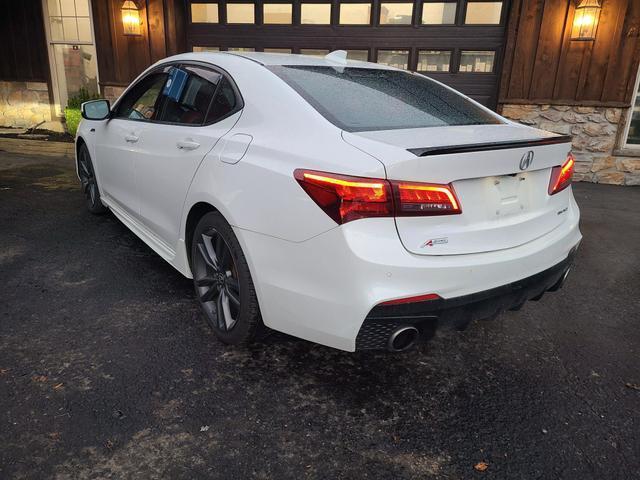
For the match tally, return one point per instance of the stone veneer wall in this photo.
(594, 131)
(26, 104)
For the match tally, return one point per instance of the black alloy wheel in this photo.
(89, 182)
(222, 281)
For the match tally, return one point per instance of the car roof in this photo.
(288, 59)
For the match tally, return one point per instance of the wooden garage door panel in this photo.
(377, 37)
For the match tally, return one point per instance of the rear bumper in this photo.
(458, 312)
(324, 288)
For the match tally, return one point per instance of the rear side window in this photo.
(224, 103)
(359, 99)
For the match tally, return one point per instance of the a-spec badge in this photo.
(435, 241)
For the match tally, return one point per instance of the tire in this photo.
(222, 281)
(89, 182)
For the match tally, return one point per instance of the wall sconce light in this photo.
(131, 18)
(585, 20)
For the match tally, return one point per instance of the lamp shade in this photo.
(131, 18)
(585, 20)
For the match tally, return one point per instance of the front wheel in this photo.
(89, 182)
(223, 282)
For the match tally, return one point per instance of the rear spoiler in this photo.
(480, 147)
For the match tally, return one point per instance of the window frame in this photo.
(207, 66)
(633, 148)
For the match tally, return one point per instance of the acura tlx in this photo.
(347, 203)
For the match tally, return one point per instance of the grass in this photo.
(72, 119)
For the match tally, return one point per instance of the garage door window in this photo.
(394, 58)
(434, 61)
(396, 13)
(355, 13)
(360, 55)
(439, 13)
(277, 13)
(477, 61)
(483, 13)
(240, 13)
(204, 13)
(315, 14)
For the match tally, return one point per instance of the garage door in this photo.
(457, 42)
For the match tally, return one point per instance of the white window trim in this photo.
(627, 126)
(59, 109)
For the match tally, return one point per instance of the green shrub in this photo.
(72, 117)
(72, 113)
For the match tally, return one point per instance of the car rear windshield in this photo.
(365, 99)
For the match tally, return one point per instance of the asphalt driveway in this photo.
(107, 369)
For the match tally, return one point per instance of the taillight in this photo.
(561, 176)
(425, 199)
(345, 198)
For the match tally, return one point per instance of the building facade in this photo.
(522, 58)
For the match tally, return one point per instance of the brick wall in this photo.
(594, 131)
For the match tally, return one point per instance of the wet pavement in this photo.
(108, 370)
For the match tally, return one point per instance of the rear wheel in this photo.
(223, 282)
(89, 182)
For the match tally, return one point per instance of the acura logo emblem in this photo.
(526, 160)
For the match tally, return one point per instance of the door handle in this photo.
(187, 145)
(131, 138)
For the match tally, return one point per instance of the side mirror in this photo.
(96, 110)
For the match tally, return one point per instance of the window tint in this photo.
(141, 101)
(188, 96)
(224, 103)
(359, 99)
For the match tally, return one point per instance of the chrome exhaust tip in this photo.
(402, 339)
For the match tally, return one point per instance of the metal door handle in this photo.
(187, 145)
(131, 138)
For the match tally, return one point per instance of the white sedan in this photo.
(347, 203)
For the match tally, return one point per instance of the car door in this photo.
(117, 140)
(199, 106)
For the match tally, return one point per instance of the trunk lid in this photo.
(503, 204)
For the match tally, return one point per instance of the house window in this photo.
(632, 138)
(277, 13)
(240, 13)
(396, 13)
(483, 13)
(315, 14)
(394, 58)
(434, 60)
(204, 13)
(355, 13)
(439, 13)
(473, 61)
